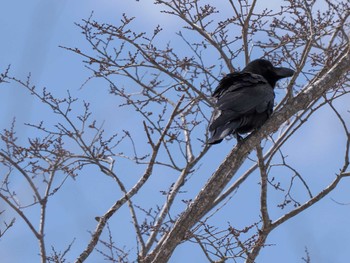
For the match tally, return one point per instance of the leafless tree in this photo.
(169, 87)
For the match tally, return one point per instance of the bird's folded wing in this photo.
(236, 81)
(234, 104)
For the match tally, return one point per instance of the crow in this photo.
(244, 100)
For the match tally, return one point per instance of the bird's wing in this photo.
(243, 101)
(236, 81)
(237, 100)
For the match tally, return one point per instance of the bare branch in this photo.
(233, 161)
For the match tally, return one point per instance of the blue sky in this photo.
(31, 33)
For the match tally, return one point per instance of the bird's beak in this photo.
(284, 72)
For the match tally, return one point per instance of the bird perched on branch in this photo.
(244, 100)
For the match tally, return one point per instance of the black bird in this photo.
(244, 100)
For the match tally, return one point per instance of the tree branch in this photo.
(199, 207)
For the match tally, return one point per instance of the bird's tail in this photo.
(214, 140)
(218, 134)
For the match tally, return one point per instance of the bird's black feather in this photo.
(244, 100)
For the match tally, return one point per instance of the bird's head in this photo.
(268, 71)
